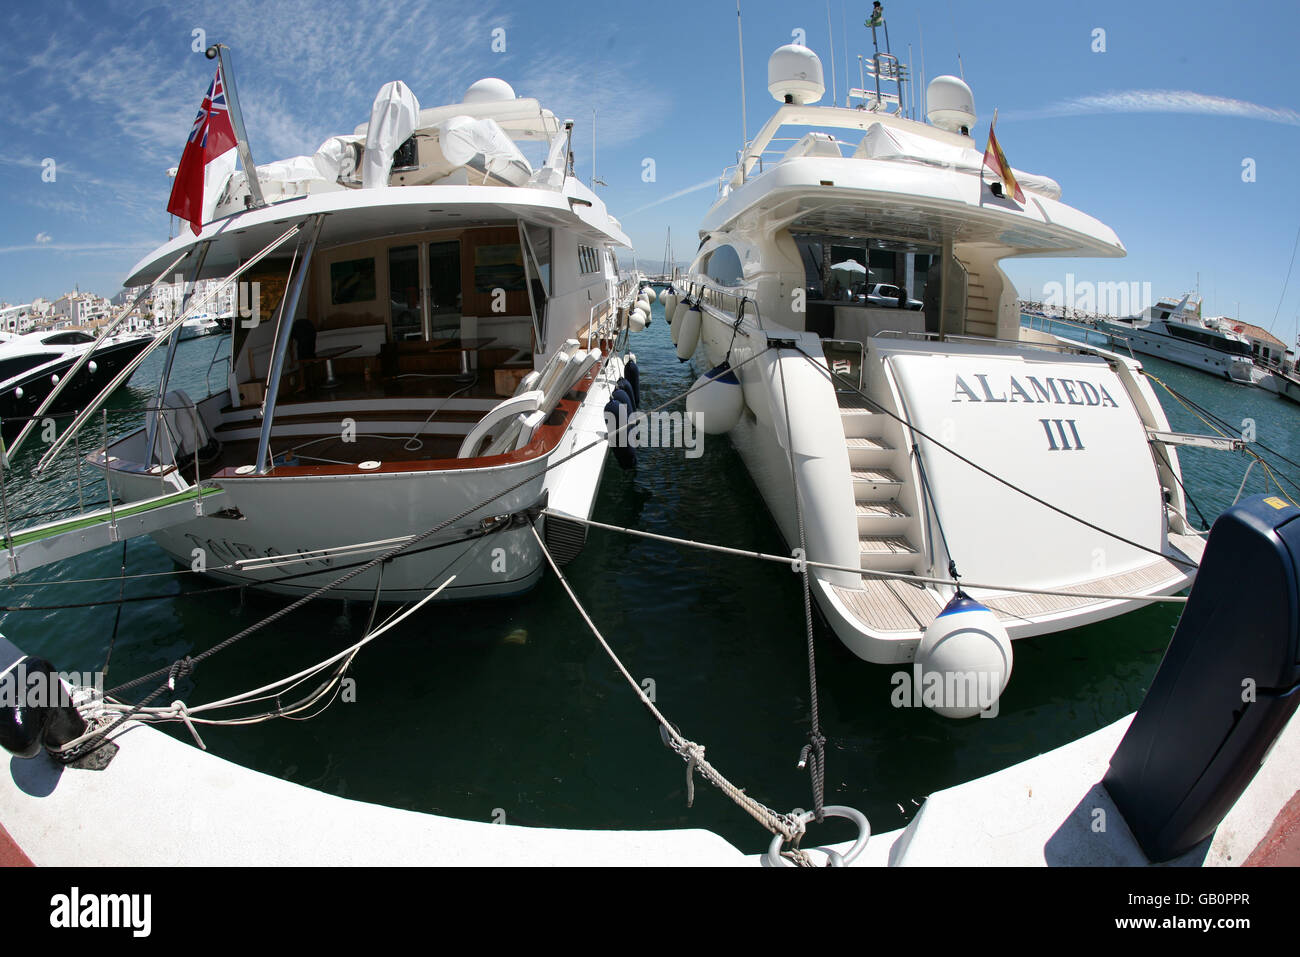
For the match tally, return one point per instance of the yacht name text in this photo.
(1032, 390)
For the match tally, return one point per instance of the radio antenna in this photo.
(744, 124)
(831, 30)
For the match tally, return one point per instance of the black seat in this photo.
(303, 334)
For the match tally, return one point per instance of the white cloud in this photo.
(1160, 101)
(78, 247)
(43, 238)
(707, 184)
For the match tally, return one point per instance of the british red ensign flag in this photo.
(211, 138)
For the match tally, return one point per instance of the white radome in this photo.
(795, 72)
(489, 90)
(950, 104)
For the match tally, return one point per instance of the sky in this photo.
(1182, 134)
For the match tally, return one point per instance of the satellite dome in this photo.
(489, 90)
(794, 75)
(950, 104)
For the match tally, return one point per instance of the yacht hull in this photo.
(292, 534)
(879, 515)
(38, 384)
(1185, 354)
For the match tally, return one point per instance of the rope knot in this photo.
(182, 668)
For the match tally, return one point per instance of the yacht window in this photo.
(404, 293)
(540, 239)
(723, 267)
(352, 281)
(499, 267)
(68, 339)
(444, 289)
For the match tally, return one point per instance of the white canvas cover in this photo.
(463, 138)
(335, 159)
(393, 118)
(883, 142)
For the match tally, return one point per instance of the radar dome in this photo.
(794, 75)
(950, 104)
(489, 90)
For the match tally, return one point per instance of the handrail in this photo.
(134, 364)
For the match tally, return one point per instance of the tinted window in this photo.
(724, 268)
(68, 339)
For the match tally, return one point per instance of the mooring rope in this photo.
(786, 825)
(185, 665)
(813, 755)
(1217, 424)
(864, 572)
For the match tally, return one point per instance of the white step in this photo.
(875, 485)
(861, 424)
(887, 553)
(867, 452)
(881, 518)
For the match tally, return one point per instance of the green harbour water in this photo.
(478, 708)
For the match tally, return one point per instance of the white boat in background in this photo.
(1174, 331)
(434, 356)
(914, 443)
(199, 326)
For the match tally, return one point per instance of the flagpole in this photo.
(220, 52)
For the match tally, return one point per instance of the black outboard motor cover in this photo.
(1226, 688)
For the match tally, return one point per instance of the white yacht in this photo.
(923, 442)
(1173, 330)
(200, 326)
(432, 339)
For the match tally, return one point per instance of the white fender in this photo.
(689, 336)
(717, 400)
(968, 651)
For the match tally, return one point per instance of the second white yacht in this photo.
(906, 449)
(1175, 332)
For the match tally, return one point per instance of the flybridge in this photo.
(1031, 389)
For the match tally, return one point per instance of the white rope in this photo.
(787, 826)
(866, 573)
(266, 691)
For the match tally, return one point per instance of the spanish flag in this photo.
(996, 161)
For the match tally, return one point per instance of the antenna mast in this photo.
(744, 125)
(831, 30)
